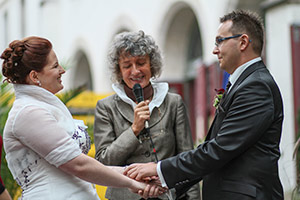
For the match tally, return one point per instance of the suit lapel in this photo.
(158, 113)
(243, 76)
(225, 103)
(124, 109)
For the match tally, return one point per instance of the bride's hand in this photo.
(148, 190)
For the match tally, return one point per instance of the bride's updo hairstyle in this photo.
(25, 55)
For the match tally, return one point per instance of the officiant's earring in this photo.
(39, 83)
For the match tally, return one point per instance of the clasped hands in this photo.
(146, 173)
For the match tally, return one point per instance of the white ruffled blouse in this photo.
(39, 136)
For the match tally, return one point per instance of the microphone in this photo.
(139, 96)
(138, 92)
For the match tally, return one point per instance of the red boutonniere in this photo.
(218, 97)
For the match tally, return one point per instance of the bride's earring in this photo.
(39, 83)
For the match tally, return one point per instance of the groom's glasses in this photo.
(220, 40)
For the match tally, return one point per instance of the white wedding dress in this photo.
(39, 136)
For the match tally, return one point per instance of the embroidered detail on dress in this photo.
(24, 180)
(83, 139)
(76, 135)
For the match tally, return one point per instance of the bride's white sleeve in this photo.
(37, 129)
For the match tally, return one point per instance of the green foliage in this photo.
(5, 100)
(296, 193)
(6, 97)
(70, 94)
(90, 131)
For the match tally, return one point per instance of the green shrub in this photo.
(6, 98)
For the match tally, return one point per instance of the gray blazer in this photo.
(116, 143)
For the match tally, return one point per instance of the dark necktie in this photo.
(228, 86)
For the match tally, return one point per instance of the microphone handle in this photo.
(146, 124)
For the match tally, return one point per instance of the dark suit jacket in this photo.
(239, 159)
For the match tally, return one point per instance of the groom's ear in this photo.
(244, 42)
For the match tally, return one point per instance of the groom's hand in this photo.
(142, 171)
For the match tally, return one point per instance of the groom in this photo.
(239, 158)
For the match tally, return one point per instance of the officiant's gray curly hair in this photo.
(134, 44)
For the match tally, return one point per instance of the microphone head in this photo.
(138, 92)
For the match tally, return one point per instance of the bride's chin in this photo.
(61, 87)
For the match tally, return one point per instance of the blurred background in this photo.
(81, 32)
